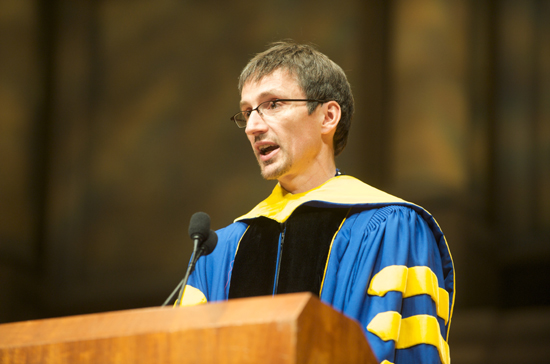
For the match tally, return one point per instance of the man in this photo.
(373, 256)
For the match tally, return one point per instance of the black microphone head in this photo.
(210, 244)
(199, 226)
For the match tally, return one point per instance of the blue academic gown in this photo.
(389, 267)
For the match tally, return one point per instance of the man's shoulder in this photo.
(236, 228)
(340, 191)
(375, 214)
(349, 190)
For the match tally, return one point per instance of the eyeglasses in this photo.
(266, 109)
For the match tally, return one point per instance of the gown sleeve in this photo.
(394, 275)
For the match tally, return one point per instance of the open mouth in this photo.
(266, 149)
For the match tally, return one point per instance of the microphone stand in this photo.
(197, 253)
(190, 269)
(201, 246)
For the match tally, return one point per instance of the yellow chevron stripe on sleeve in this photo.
(386, 362)
(443, 304)
(411, 331)
(392, 278)
(411, 282)
(192, 297)
(386, 325)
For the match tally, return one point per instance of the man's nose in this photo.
(256, 124)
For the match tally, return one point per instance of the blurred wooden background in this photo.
(114, 129)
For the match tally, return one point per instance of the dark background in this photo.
(114, 129)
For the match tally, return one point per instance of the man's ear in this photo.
(332, 115)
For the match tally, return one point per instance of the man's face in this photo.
(286, 145)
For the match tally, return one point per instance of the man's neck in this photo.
(304, 182)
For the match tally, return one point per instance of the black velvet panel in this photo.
(309, 232)
(255, 264)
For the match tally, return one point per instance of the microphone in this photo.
(199, 228)
(209, 245)
(204, 242)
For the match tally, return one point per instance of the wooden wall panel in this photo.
(20, 105)
(139, 136)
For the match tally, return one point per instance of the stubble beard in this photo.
(274, 172)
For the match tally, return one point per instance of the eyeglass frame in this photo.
(234, 117)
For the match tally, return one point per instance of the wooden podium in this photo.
(291, 328)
